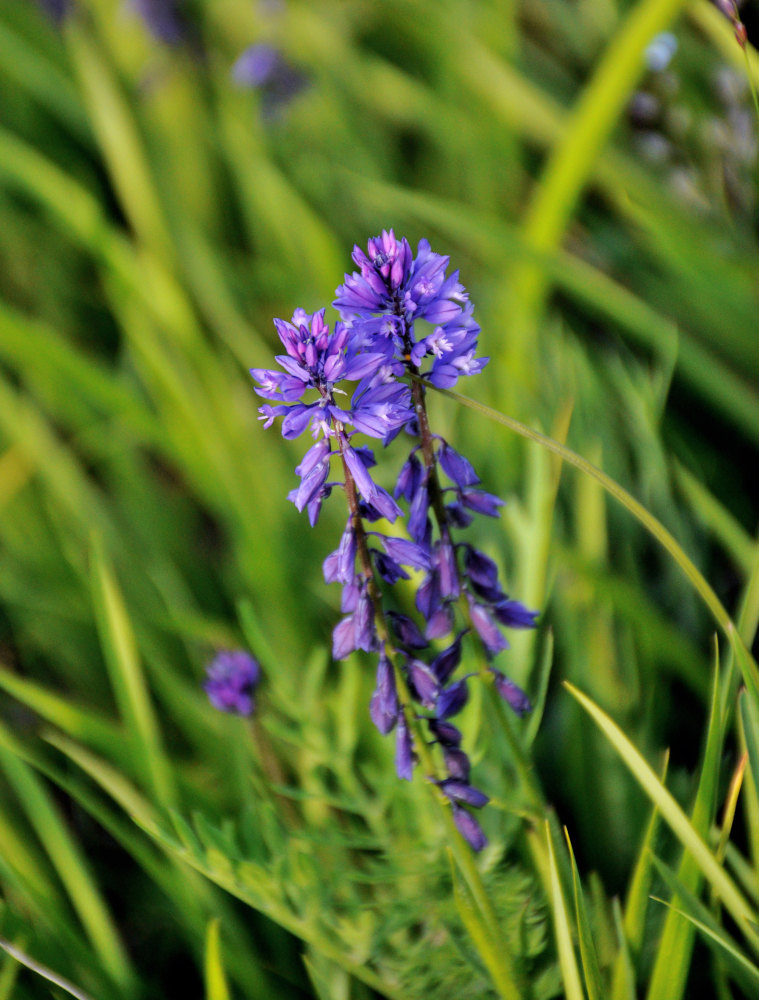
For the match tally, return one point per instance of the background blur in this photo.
(173, 176)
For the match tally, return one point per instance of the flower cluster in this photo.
(404, 324)
(233, 677)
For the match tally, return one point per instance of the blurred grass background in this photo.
(155, 214)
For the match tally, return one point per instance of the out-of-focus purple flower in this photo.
(162, 18)
(263, 67)
(256, 65)
(233, 677)
(56, 9)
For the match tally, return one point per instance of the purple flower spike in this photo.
(457, 763)
(406, 631)
(233, 677)
(378, 345)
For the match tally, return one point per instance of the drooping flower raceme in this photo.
(403, 325)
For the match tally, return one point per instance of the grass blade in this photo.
(129, 684)
(674, 816)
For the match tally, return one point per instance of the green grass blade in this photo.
(631, 929)
(590, 967)
(113, 122)
(670, 973)
(127, 678)
(570, 973)
(70, 864)
(672, 813)
(623, 986)
(42, 970)
(80, 723)
(693, 911)
(599, 107)
(750, 718)
(638, 511)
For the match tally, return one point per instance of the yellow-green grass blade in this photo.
(215, 977)
(9, 971)
(588, 956)
(631, 927)
(623, 985)
(571, 163)
(121, 145)
(570, 973)
(70, 864)
(127, 678)
(468, 912)
(543, 673)
(670, 973)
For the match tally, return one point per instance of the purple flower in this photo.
(452, 699)
(56, 9)
(233, 677)
(511, 693)
(393, 289)
(384, 708)
(404, 751)
(162, 19)
(263, 68)
(469, 828)
(460, 792)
